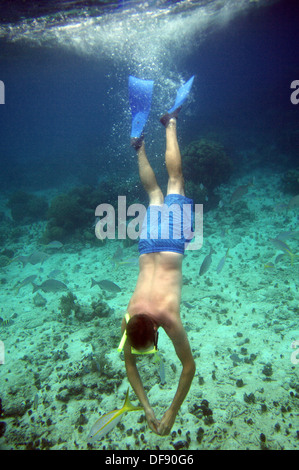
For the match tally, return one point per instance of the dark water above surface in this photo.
(65, 68)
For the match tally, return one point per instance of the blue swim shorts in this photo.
(167, 227)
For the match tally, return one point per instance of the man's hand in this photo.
(152, 420)
(166, 423)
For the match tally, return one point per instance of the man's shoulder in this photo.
(173, 326)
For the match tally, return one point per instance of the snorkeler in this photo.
(156, 300)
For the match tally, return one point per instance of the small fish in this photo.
(279, 258)
(35, 401)
(269, 265)
(26, 281)
(55, 244)
(285, 235)
(118, 255)
(106, 285)
(222, 262)
(187, 304)
(35, 258)
(109, 420)
(280, 207)
(130, 261)
(6, 321)
(280, 245)
(161, 368)
(22, 259)
(55, 273)
(240, 192)
(206, 263)
(50, 285)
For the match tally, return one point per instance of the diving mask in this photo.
(133, 350)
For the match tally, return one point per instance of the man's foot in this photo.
(166, 117)
(136, 142)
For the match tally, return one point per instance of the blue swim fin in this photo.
(181, 96)
(140, 98)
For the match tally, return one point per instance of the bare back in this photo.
(158, 288)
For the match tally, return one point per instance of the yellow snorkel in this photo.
(133, 351)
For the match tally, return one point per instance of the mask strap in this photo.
(124, 337)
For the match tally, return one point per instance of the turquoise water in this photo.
(65, 149)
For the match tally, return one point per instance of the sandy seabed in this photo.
(61, 373)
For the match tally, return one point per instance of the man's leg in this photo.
(148, 178)
(173, 160)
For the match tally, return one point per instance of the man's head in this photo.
(141, 332)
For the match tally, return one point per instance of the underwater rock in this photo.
(206, 165)
(201, 410)
(71, 215)
(267, 370)
(84, 313)
(263, 441)
(68, 304)
(235, 358)
(60, 355)
(240, 383)
(201, 380)
(81, 420)
(4, 261)
(74, 391)
(7, 252)
(180, 445)
(2, 428)
(101, 309)
(262, 437)
(39, 300)
(9, 232)
(249, 398)
(66, 215)
(199, 435)
(26, 208)
(53, 232)
(17, 407)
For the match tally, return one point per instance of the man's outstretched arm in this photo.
(136, 383)
(183, 350)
